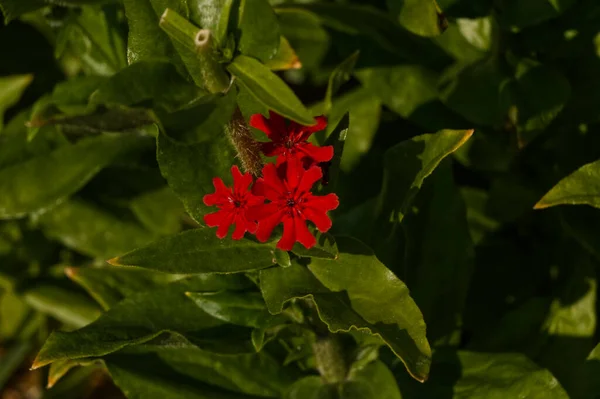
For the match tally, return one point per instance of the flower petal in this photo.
(222, 193)
(277, 123)
(307, 131)
(271, 179)
(263, 211)
(303, 235)
(319, 218)
(271, 149)
(318, 154)
(293, 173)
(266, 225)
(309, 178)
(258, 121)
(241, 226)
(323, 203)
(241, 182)
(224, 225)
(216, 218)
(289, 234)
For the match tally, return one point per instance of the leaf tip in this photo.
(37, 363)
(114, 261)
(70, 272)
(541, 205)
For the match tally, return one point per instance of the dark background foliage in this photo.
(111, 135)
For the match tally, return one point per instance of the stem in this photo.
(329, 356)
(200, 43)
(247, 148)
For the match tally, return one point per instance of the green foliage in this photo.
(454, 124)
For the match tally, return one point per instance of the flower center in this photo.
(291, 202)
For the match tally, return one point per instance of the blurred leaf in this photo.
(59, 369)
(15, 8)
(12, 359)
(269, 89)
(410, 91)
(479, 222)
(160, 211)
(580, 187)
(589, 371)
(305, 34)
(439, 256)
(48, 179)
(258, 30)
(180, 370)
(199, 251)
(541, 92)
(476, 91)
(374, 380)
(66, 305)
(340, 75)
(492, 376)
(285, 58)
(11, 89)
(312, 387)
(478, 32)
(190, 168)
(420, 17)
(519, 14)
(135, 320)
(157, 82)
(93, 40)
(91, 230)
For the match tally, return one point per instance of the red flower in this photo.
(292, 204)
(233, 205)
(290, 141)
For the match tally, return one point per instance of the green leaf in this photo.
(325, 248)
(91, 230)
(13, 9)
(306, 35)
(589, 371)
(258, 30)
(410, 91)
(199, 251)
(144, 81)
(48, 179)
(310, 388)
(374, 380)
(11, 90)
(418, 16)
(190, 168)
(477, 91)
(160, 211)
(518, 14)
(110, 285)
(146, 41)
(541, 93)
(581, 187)
(409, 163)
(493, 376)
(176, 369)
(59, 369)
(340, 75)
(12, 359)
(269, 89)
(439, 256)
(243, 309)
(380, 298)
(285, 58)
(213, 15)
(66, 305)
(136, 319)
(94, 40)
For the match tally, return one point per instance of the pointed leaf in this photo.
(199, 251)
(581, 187)
(258, 30)
(269, 89)
(11, 89)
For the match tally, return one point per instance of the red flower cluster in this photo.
(286, 185)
